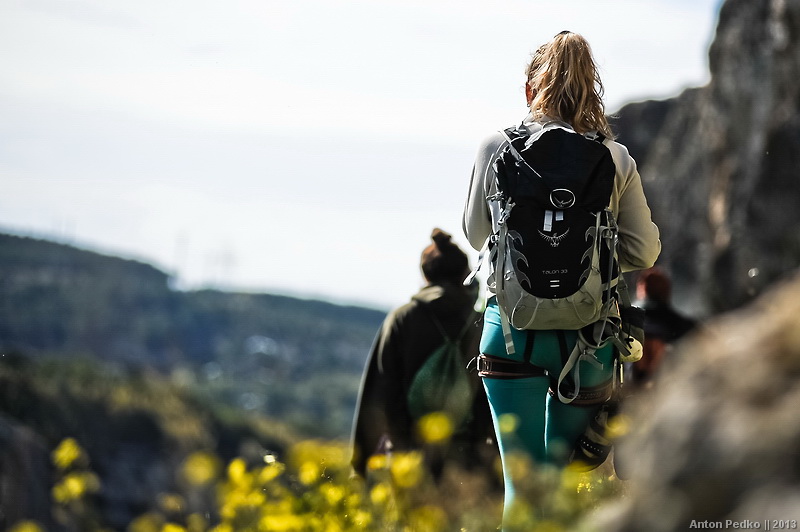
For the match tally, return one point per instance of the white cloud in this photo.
(177, 130)
(341, 65)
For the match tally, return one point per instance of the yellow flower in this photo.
(331, 524)
(66, 454)
(327, 455)
(281, 523)
(573, 477)
(255, 498)
(353, 500)
(74, 486)
(618, 426)
(201, 468)
(508, 423)
(406, 469)
(520, 465)
(435, 427)
(172, 527)
(233, 501)
(148, 522)
(362, 519)
(520, 516)
(196, 523)
(428, 519)
(26, 526)
(332, 493)
(229, 506)
(309, 473)
(237, 470)
(377, 462)
(380, 493)
(270, 472)
(171, 502)
(335, 456)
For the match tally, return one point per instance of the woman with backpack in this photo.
(522, 368)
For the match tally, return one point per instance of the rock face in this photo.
(721, 163)
(24, 475)
(719, 437)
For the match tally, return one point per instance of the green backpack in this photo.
(442, 383)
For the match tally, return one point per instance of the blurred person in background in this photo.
(410, 334)
(663, 325)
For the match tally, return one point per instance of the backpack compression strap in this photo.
(499, 278)
(582, 352)
(488, 251)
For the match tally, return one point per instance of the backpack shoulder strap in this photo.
(456, 339)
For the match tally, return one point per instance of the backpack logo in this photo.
(556, 239)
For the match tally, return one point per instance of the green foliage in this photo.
(102, 407)
(61, 300)
(316, 404)
(137, 427)
(263, 353)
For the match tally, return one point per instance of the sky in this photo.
(305, 148)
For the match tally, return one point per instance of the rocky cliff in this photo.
(721, 163)
(716, 440)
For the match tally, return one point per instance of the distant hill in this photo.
(58, 299)
(258, 351)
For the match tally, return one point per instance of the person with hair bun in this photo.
(563, 86)
(409, 335)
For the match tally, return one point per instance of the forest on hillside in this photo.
(259, 352)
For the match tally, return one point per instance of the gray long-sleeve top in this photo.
(639, 243)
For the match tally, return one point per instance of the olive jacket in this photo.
(406, 339)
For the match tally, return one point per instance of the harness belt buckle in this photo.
(483, 364)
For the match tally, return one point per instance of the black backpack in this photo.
(556, 237)
(554, 245)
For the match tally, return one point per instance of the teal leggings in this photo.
(526, 418)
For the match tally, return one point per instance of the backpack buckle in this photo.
(497, 196)
(562, 198)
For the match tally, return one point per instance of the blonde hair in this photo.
(565, 84)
